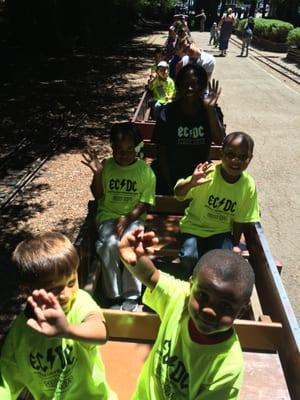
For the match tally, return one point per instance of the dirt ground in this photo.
(42, 94)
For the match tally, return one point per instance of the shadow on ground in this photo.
(44, 95)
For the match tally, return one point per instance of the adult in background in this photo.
(226, 24)
(198, 56)
(202, 20)
(186, 127)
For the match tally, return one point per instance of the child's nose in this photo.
(209, 311)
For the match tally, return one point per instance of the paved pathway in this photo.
(260, 103)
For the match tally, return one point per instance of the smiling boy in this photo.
(223, 202)
(196, 355)
(52, 348)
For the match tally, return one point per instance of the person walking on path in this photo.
(247, 36)
(226, 24)
(202, 20)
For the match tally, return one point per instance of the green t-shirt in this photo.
(161, 88)
(124, 187)
(178, 368)
(53, 368)
(217, 204)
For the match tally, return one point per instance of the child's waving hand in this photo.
(91, 160)
(50, 319)
(214, 92)
(135, 245)
(134, 248)
(199, 176)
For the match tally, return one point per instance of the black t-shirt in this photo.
(187, 139)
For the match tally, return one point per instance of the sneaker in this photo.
(129, 305)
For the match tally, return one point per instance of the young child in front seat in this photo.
(52, 347)
(197, 354)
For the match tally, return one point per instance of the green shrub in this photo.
(294, 37)
(271, 29)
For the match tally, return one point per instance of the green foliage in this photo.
(148, 6)
(271, 29)
(294, 37)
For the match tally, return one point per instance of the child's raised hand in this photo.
(214, 92)
(50, 319)
(199, 176)
(135, 245)
(91, 160)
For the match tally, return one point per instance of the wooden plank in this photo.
(143, 327)
(263, 377)
(255, 305)
(275, 302)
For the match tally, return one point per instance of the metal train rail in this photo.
(14, 180)
(269, 61)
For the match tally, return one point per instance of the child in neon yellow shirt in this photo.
(196, 355)
(52, 347)
(223, 202)
(162, 87)
(124, 186)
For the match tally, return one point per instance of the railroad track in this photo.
(279, 67)
(14, 180)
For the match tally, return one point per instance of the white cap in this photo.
(163, 64)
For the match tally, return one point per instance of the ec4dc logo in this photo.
(123, 185)
(222, 203)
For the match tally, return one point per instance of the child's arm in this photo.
(91, 161)
(125, 220)
(50, 320)
(133, 250)
(210, 102)
(198, 178)
(237, 230)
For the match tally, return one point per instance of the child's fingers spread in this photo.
(148, 236)
(32, 302)
(53, 300)
(203, 180)
(33, 324)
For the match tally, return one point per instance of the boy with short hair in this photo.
(197, 353)
(51, 349)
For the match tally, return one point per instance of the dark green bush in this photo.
(294, 37)
(271, 29)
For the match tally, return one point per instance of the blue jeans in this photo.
(116, 281)
(193, 247)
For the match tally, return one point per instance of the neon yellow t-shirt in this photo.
(124, 187)
(217, 204)
(53, 368)
(178, 368)
(161, 88)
